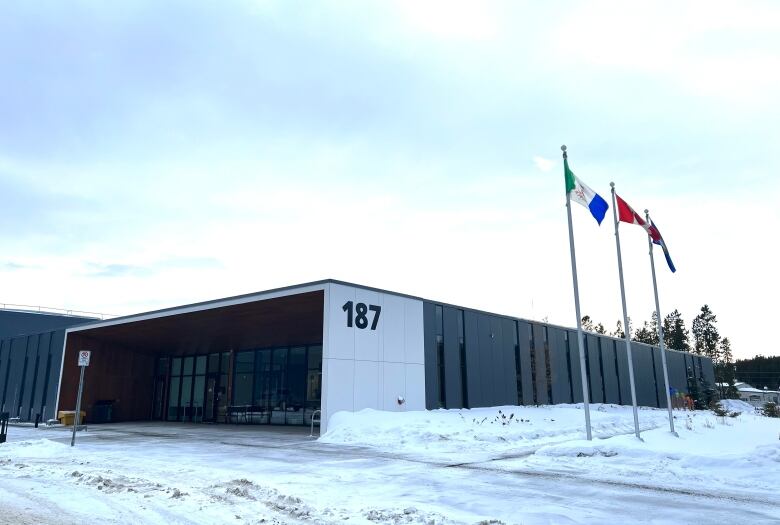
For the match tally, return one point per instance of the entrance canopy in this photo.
(124, 351)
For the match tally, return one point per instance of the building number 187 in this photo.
(359, 311)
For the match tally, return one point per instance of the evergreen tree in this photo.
(705, 334)
(759, 371)
(654, 328)
(724, 371)
(675, 333)
(599, 329)
(618, 331)
(645, 335)
(587, 323)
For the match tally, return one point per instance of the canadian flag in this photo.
(627, 214)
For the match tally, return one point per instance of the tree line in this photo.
(760, 371)
(702, 339)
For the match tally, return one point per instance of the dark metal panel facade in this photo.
(485, 358)
(452, 382)
(644, 375)
(429, 351)
(473, 362)
(659, 377)
(609, 368)
(13, 323)
(708, 372)
(559, 365)
(525, 334)
(676, 363)
(57, 347)
(623, 374)
(574, 363)
(593, 353)
(18, 358)
(540, 356)
(507, 370)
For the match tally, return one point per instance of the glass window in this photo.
(200, 364)
(173, 400)
(186, 394)
(225, 363)
(315, 357)
(245, 363)
(296, 377)
(187, 366)
(264, 360)
(197, 397)
(242, 389)
(176, 366)
(213, 363)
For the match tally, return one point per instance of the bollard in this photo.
(37, 420)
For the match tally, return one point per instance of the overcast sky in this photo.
(159, 153)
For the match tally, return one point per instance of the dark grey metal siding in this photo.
(644, 375)
(25, 390)
(611, 394)
(659, 377)
(541, 366)
(576, 369)
(708, 372)
(507, 377)
(676, 364)
(594, 378)
(13, 323)
(561, 387)
(491, 368)
(452, 382)
(429, 351)
(524, 334)
(473, 362)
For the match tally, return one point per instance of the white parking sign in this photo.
(84, 357)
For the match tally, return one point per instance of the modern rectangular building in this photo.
(277, 357)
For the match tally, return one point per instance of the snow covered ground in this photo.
(508, 464)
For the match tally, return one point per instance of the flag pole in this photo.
(580, 343)
(660, 331)
(626, 327)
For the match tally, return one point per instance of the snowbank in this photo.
(716, 454)
(495, 430)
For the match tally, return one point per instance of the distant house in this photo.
(756, 396)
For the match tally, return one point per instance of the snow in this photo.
(510, 464)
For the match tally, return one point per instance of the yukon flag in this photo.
(580, 192)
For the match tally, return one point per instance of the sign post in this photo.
(84, 356)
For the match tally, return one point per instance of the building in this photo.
(755, 396)
(276, 357)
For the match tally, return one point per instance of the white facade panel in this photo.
(339, 387)
(367, 377)
(341, 343)
(394, 386)
(415, 375)
(368, 343)
(393, 329)
(371, 339)
(413, 333)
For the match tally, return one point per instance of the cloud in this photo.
(543, 164)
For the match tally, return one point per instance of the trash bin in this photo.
(102, 411)
(66, 417)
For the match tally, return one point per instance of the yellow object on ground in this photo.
(66, 417)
